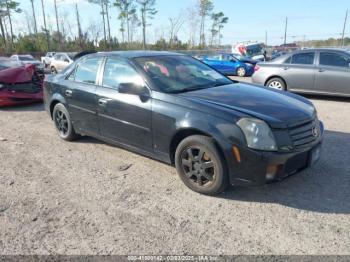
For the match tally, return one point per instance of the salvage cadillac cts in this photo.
(176, 109)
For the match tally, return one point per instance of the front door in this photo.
(333, 74)
(125, 118)
(81, 95)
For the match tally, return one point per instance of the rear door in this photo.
(299, 71)
(333, 73)
(126, 118)
(81, 95)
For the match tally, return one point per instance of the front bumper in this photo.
(12, 98)
(260, 167)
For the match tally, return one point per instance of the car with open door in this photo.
(60, 61)
(176, 109)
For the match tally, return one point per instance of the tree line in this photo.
(203, 25)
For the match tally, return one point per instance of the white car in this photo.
(26, 59)
(60, 61)
(46, 60)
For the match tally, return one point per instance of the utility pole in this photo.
(45, 28)
(108, 26)
(265, 38)
(79, 26)
(58, 28)
(342, 38)
(104, 22)
(285, 31)
(35, 25)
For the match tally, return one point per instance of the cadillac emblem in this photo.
(315, 131)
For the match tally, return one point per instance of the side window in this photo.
(334, 59)
(303, 58)
(57, 57)
(287, 61)
(71, 76)
(86, 71)
(117, 72)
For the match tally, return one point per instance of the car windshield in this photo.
(254, 50)
(177, 73)
(238, 56)
(6, 63)
(26, 58)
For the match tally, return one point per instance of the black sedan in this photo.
(176, 109)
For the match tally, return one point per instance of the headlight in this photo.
(258, 134)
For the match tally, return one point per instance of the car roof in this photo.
(320, 49)
(134, 54)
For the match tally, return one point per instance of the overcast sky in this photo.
(248, 20)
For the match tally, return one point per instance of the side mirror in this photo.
(132, 89)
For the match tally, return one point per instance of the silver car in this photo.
(27, 59)
(317, 71)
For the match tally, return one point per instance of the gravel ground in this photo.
(88, 197)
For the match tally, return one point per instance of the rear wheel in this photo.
(276, 83)
(200, 165)
(241, 72)
(63, 123)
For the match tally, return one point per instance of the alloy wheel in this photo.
(61, 123)
(198, 166)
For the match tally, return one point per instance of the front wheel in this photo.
(200, 165)
(53, 70)
(241, 72)
(63, 123)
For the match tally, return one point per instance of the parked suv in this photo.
(176, 109)
(316, 71)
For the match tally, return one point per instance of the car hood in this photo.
(279, 109)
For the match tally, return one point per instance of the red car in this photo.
(19, 83)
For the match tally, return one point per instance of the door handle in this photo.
(69, 92)
(103, 101)
(286, 68)
(321, 70)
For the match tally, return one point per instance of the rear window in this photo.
(334, 59)
(303, 59)
(26, 58)
(4, 64)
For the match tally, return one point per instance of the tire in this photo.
(63, 123)
(277, 83)
(200, 165)
(53, 70)
(241, 72)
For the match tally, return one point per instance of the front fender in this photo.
(51, 101)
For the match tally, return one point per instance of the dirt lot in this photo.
(77, 198)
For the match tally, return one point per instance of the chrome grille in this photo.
(305, 134)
